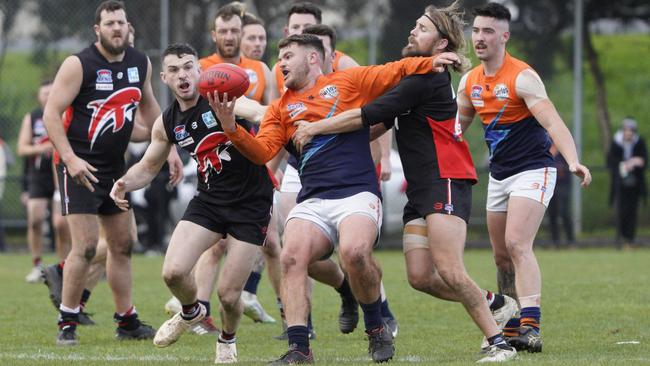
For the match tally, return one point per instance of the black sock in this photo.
(344, 290)
(299, 335)
(253, 282)
(497, 339)
(128, 321)
(385, 310)
(310, 325)
(68, 320)
(84, 298)
(207, 307)
(498, 302)
(372, 314)
(190, 311)
(226, 337)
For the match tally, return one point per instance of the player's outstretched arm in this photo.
(259, 148)
(65, 88)
(250, 109)
(144, 171)
(530, 87)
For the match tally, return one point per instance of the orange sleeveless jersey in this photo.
(253, 68)
(279, 79)
(494, 97)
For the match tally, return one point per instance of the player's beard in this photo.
(110, 48)
(228, 54)
(299, 74)
(413, 49)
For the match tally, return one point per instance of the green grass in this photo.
(592, 300)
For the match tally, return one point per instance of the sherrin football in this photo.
(224, 78)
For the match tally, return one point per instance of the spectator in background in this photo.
(626, 161)
(560, 205)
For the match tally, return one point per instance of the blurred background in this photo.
(613, 75)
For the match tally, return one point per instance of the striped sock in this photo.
(512, 328)
(531, 316)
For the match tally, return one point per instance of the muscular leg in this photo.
(496, 223)
(84, 230)
(524, 218)
(119, 243)
(187, 244)
(327, 272)
(447, 241)
(271, 252)
(423, 276)
(357, 234)
(236, 269)
(61, 231)
(206, 270)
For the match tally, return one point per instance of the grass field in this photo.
(595, 312)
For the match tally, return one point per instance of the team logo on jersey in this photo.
(180, 133)
(113, 112)
(329, 92)
(476, 91)
(187, 141)
(501, 91)
(209, 153)
(209, 120)
(296, 108)
(195, 125)
(104, 80)
(133, 75)
(252, 76)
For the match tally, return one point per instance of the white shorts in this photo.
(328, 214)
(290, 180)
(537, 184)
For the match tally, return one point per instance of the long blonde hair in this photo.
(449, 23)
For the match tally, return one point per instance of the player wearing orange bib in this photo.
(518, 119)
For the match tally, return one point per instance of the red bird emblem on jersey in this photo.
(209, 152)
(113, 112)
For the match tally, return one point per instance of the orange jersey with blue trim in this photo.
(515, 139)
(330, 166)
(254, 69)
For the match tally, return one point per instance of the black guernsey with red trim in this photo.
(100, 120)
(429, 140)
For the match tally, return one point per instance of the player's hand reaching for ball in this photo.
(81, 172)
(224, 109)
(118, 192)
(445, 59)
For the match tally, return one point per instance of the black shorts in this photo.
(218, 219)
(77, 199)
(445, 196)
(40, 186)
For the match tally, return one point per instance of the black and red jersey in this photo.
(99, 121)
(39, 165)
(428, 136)
(226, 177)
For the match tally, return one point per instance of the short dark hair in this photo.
(230, 10)
(322, 30)
(306, 8)
(250, 19)
(109, 6)
(493, 10)
(305, 40)
(179, 49)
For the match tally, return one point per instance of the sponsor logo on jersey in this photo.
(296, 108)
(133, 75)
(113, 112)
(329, 92)
(501, 91)
(104, 80)
(438, 206)
(187, 141)
(476, 91)
(180, 133)
(209, 153)
(478, 103)
(252, 76)
(209, 120)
